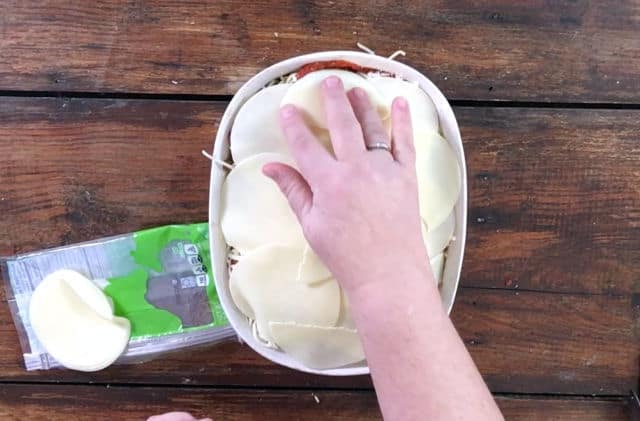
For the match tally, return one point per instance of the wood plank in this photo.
(532, 342)
(562, 409)
(484, 50)
(91, 168)
(18, 402)
(74, 403)
(554, 193)
(522, 342)
(75, 169)
(554, 199)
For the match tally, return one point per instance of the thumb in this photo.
(293, 186)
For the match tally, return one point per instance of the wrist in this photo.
(393, 287)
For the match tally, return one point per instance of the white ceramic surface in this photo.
(448, 127)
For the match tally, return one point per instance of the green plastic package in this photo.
(160, 279)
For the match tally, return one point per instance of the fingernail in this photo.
(267, 169)
(332, 82)
(287, 111)
(359, 93)
(401, 102)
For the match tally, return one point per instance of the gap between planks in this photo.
(226, 98)
(514, 395)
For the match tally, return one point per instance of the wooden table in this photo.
(105, 107)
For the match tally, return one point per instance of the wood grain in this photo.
(575, 51)
(74, 403)
(554, 199)
(528, 342)
(78, 169)
(19, 402)
(75, 169)
(563, 409)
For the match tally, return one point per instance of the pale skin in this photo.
(359, 212)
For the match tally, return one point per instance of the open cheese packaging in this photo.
(122, 299)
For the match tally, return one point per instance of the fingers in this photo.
(293, 186)
(402, 132)
(345, 131)
(309, 154)
(372, 129)
(175, 416)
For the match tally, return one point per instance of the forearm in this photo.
(405, 331)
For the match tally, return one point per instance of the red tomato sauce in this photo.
(332, 64)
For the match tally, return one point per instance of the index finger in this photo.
(312, 158)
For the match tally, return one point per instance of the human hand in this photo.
(358, 210)
(176, 416)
